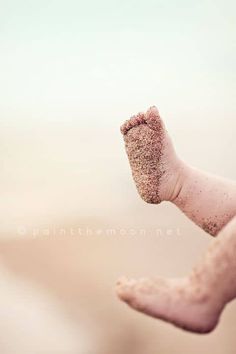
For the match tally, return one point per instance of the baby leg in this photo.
(208, 200)
(193, 303)
(160, 175)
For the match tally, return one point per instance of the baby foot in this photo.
(177, 301)
(155, 166)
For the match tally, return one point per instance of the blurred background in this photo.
(71, 221)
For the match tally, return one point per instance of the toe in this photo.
(153, 119)
(128, 291)
(128, 124)
(139, 294)
(132, 122)
(124, 288)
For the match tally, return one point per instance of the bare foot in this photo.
(155, 167)
(178, 301)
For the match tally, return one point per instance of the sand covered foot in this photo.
(177, 301)
(155, 167)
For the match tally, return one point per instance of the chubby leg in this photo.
(193, 303)
(160, 175)
(208, 200)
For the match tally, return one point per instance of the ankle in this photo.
(179, 177)
(204, 291)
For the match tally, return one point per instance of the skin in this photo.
(190, 303)
(160, 175)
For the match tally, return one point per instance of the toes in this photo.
(129, 292)
(132, 122)
(125, 288)
(128, 124)
(139, 294)
(153, 119)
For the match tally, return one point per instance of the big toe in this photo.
(153, 119)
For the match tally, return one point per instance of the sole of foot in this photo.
(155, 167)
(173, 300)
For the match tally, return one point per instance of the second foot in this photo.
(176, 301)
